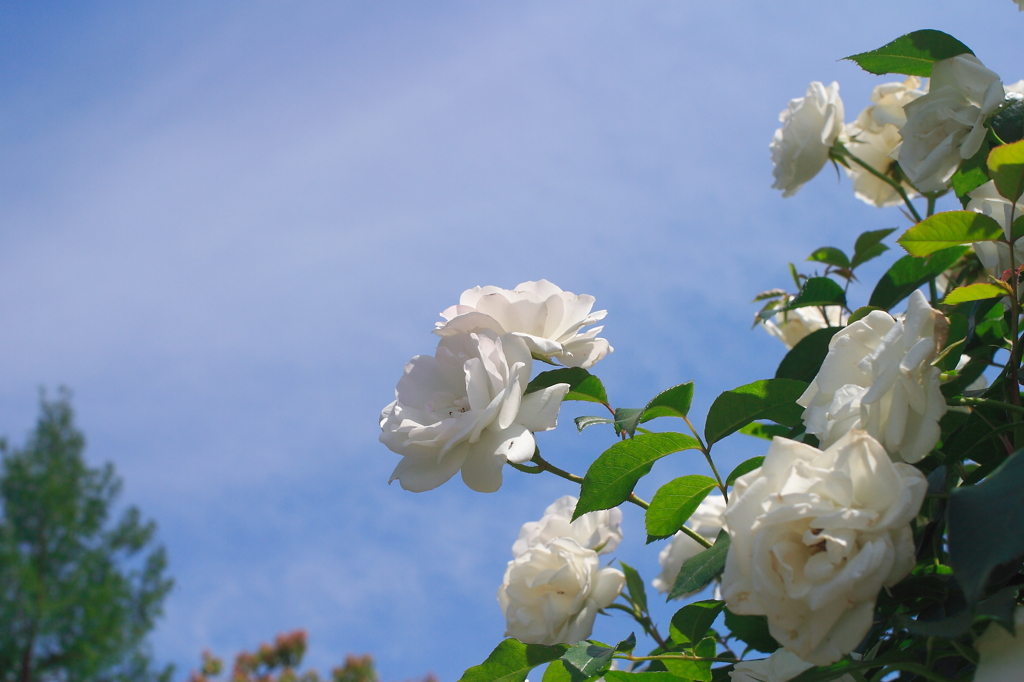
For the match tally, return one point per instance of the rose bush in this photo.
(815, 535)
(548, 319)
(464, 409)
(878, 376)
(552, 592)
(810, 126)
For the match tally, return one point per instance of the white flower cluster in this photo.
(466, 408)
(929, 131)
(554, 586)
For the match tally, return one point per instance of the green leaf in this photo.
(976, 292)
(861, 313)
(951, 228)
(557, 672)
(773, 399)
(909, 273)
(999, 606)
(869, 245)
(804, 360)
(912, 54)
(587, 659)
(744, 468)
(674, 402)
(700, 671)
(1006, 165)
(674, 503)
(627, 419)
(830, 256)
(584, 422)
(817, 291)
(766, 431)
(972, 173)
(752, 631)
(610, 479)
(635, 585)
(582, 384)
(512, 661)
(979, 539)
(622, 676)
(691, 623)
(698, 571)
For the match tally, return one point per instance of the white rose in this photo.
(873, 137)
(781, 666)
(815, 536)
(792, 326)
(810, 126)
(464, 408)
(548, 319)
(1001, 655)
(878, 376)
(596, 530)
(994, 255)
(947, 125)
(552, 592)
(706, 521)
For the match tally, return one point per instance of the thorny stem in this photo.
(969, 402)
(673, 657)
(885, 178)
(707, 455)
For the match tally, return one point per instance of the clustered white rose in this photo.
(791, 326)
(1001, 654)
(995, 255)
(815, 535)
(810, 126)
(878, 376)
(597, 530)
(548, 319)
(554, 586)
(874, 135)
(947, 125)
(781, 666)
(464, 409)
(706, 521)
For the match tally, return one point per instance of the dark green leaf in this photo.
(912, 54)
(511, 661)
(980, 540)
(816, 291)
(830, 256)
(1006, 166)
(804, 360)
(587, 659)
(674, 402)
(610, 479)
(674, 503)
(582, 384)
(773, 399)
(635, 585)
(752, 631)
(945, 230)
(1008, 123)
(909, 273)
(999, 606)
(698, 571)
(700, 671)
(972, 173)
(766, 431)
(627, 419)
(744, 468)
(584, 422)
(691, 623)
(869, 245)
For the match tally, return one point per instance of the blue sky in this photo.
(226, 226)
